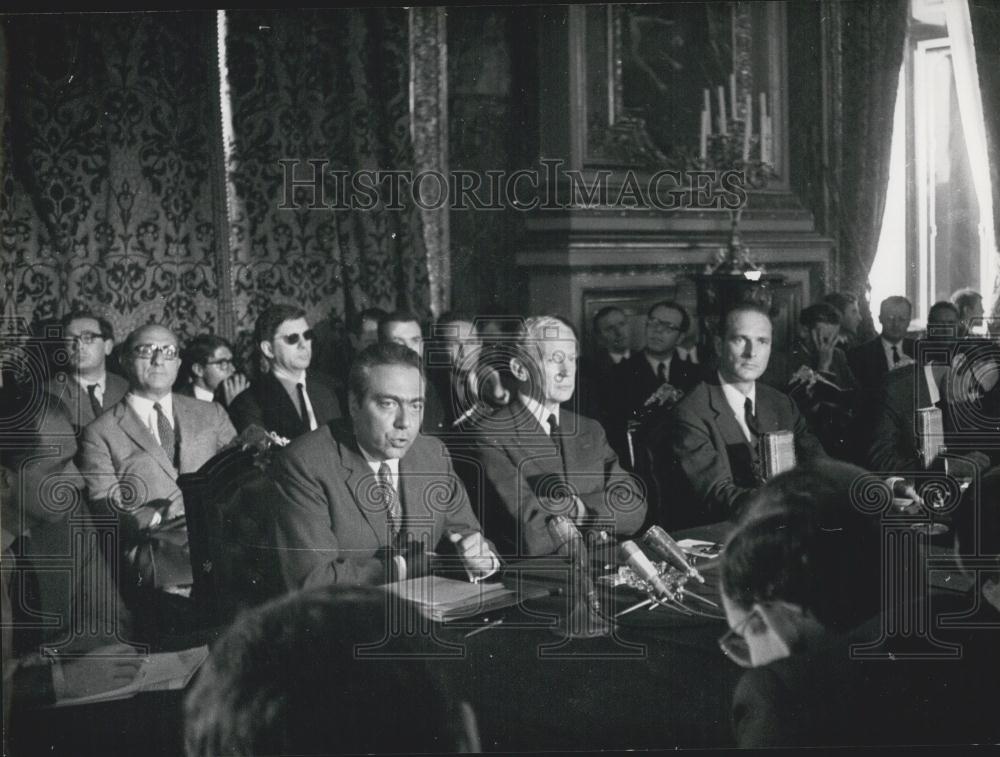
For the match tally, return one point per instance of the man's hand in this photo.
(479, 559)
(824, 339)
(97, 672)
(233, 386)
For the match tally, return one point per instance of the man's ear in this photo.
(718, 344)
(198, 370)
(267, 349)
(109, 346)
(519, 370)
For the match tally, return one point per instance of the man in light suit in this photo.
(89, 388)
(289, 399)
(539, 459)
(365, 502)
(131, 457)
(714, 431)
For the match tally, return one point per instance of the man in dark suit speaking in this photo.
(363, 502)
(539, 459)
(716, 428)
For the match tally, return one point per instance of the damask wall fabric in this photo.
(105, 193)
(108, 181)
(327, 86)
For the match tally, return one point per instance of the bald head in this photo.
(151, 360)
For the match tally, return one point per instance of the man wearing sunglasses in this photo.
(87, 389)
(208, 372)
(289, 398)
(130, 459)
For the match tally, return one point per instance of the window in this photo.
(937, 232)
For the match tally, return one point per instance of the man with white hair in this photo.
(539, 459)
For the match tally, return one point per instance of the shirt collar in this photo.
(538, 410)
(617, 357)
(375, 464)
(201, 393)
(736, 398)
(288, 377)
(144, 406)
(887, 346)
(102, 382)
(654, 363)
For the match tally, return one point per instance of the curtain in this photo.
(985, 19)
(873, 37)
(106, 201)
(321, 86)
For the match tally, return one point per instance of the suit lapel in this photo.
(136, 430)
(731, 431)
(284, 407)
(361, 482)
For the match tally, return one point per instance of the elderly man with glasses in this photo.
(289, 398)
(130, 459)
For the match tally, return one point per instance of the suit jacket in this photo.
(73, 399)
(714, 456)
(330, 524)
(869, 364)
(117, 450)
(267, 404)
(522, 475)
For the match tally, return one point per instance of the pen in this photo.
(486, 627)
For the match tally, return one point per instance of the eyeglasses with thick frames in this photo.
(85, 337)
(292, 339)
(147, 351)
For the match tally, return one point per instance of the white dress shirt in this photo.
(617, 357)
(737, 402)
(147, 413)
(887, 347)
(201, 393)
(540, 412)
(102, 385)
(290, 382)
(654, 363)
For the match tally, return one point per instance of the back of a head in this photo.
(803, 540)
(289, 678)
(396, 316)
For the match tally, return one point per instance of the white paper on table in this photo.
(161, 671)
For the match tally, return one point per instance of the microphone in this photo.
(662, 545)
(643, 567)
(565, 534)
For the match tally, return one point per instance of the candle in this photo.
(706, 128)
(763, 120)
(747, 127)
(765, 142)
(732, 94)
(708, 101)
(723, 128)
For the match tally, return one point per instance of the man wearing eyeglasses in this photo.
(88, 388)
(208, 372)
(131, 457)
(289, 398)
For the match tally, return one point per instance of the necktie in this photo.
(750, 418)
(661, 373)
(165, 432)
(303, 413)
(555, 434)
(393, 510)
(95, 403)
(895, 355)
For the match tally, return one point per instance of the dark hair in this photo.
(316, 672)
(269, 321)
(743, 307)
(896, 299)
(939, 307)
(685, 318)
(198, 351)
(381, 353)
(604, 312)
(396, 316)
(454, 316)
(965, 298)
(102, 323)
(356, 321)
(840, 300)
(821, 312)
(801, 540)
